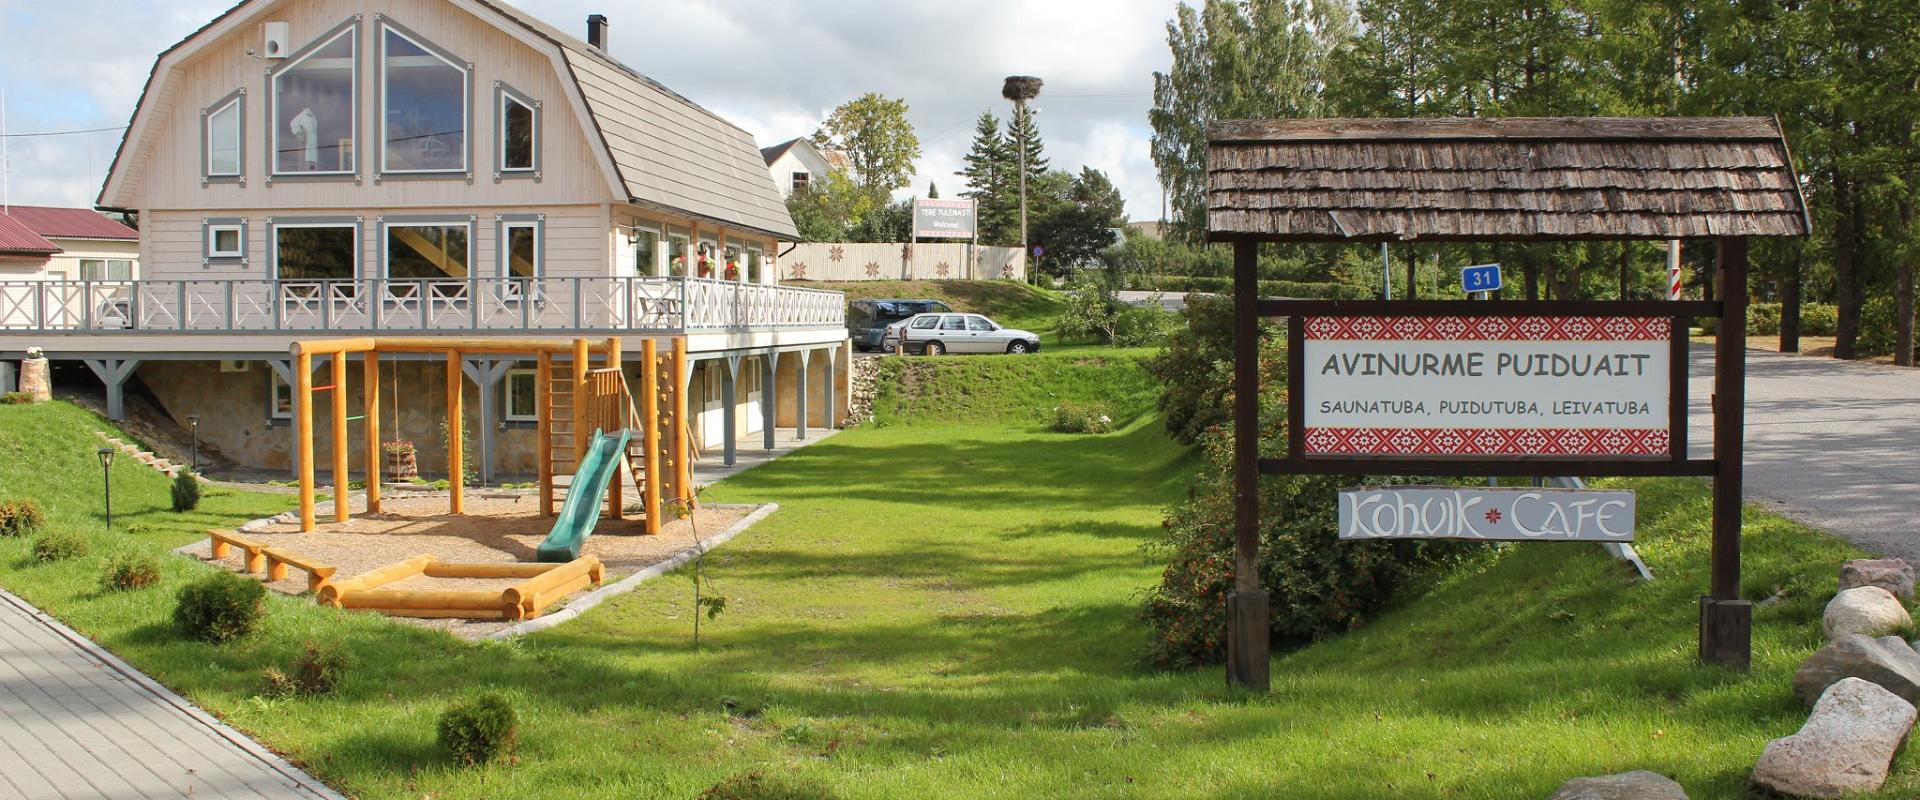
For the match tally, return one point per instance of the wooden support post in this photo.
(370, 398)
(730, 366)
(1726, 620)
(615, 503)
(342, 508)
(543, 394)
(580, 432)
(303, 436)
(682, 449)
(456, 448)
(1248, 660)
(650, 432)
(800, 389)
(769, 398)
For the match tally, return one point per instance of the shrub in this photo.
(1141, 326)
(130, 571)
(479, 730)
(15, 399)
(1195, 369)
(1318, 585)
(1082, 418)
(59, 546)
(1763, 319)
(316, 673)
(21, 518)
(220, 607)
(1877, 332)
(186, 491)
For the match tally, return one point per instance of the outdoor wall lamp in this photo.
(106, 480)
(193, 422)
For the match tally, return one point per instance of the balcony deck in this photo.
(233, 316)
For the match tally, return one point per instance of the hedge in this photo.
(1269, 288)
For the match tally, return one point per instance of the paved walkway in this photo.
(1831, 443)
(77, 723)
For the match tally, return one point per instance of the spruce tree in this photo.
(992, 183)
(1022, 130)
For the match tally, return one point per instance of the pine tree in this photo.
(992, 183)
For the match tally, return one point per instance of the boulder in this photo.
(1891, 574)
(1886, 661)
(1636, 785)
(1846, 746)
(36, 380)
(1866, 610)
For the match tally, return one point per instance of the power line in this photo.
(62, 133)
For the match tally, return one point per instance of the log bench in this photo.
(223, 541)
(318, 574)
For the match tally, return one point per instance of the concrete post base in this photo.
(1248, 646)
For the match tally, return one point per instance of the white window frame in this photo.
(506, 402)
(273, 245)
(539, 247)
(274, 388)
(504, 95)
(466, 99)
(237, 103)
(351, 28)
(239, 238)
(654, 262)
(105, 266)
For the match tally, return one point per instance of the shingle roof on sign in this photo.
(1501, 179)
(18, 239)
(671, 152)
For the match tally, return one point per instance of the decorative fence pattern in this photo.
(379, 305)
(897, 261)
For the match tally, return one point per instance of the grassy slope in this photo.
(1013, 389)
(949, 612)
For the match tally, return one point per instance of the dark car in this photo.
(867, 320)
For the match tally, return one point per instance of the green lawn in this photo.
(949, 611)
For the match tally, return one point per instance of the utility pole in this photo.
(6, 161)
(1020, 89)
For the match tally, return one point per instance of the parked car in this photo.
(867, 320)
(935, 334)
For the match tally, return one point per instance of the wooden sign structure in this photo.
(1527, 180)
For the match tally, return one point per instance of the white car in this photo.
(938, 334)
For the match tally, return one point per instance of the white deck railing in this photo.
(379, 305)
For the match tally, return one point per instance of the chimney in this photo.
(597, 31)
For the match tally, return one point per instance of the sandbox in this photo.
(500, 527)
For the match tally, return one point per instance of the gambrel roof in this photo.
(658, 149)
(1515, 179)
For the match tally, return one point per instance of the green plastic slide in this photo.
(581, 512)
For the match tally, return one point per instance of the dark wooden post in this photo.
(1247, 613)
(1726, 621)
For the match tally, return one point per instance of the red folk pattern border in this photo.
(1440, 442)
(1520, 329)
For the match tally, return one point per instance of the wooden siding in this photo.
(570, 171)
(1514, 179)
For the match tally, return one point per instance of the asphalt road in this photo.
(1830, 443)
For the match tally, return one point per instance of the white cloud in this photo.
(775, 67)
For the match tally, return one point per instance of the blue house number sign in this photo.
(1481, 278)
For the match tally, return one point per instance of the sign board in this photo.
(943, 219)
(1486, 386)
(1491, 514)
(1480, 278)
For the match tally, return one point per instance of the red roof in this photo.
(70, 223)
(18, 239)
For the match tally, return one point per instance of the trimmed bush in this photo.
(479, 730)
(130, 571)
(220, 607)
(15, 399)
(21, 518)
(59, 546)
(1082, 418)
(1268, 288)
(1763, 319)
(186, 491)
(316, 673)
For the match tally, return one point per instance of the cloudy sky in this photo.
(775, 67)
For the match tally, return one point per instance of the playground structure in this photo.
(594, 401)
(592, 428)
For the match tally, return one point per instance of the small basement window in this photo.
(523, 396)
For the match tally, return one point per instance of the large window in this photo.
(522, 397)
(105, 269)
(435, 251)
(423, 106)
(315, 111)
(223, 157)
(519, 132)
(315, 252)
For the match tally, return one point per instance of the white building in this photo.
(796, 164)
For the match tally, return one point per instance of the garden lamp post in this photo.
(1020, 89)
(106, 480)
(193, 423)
